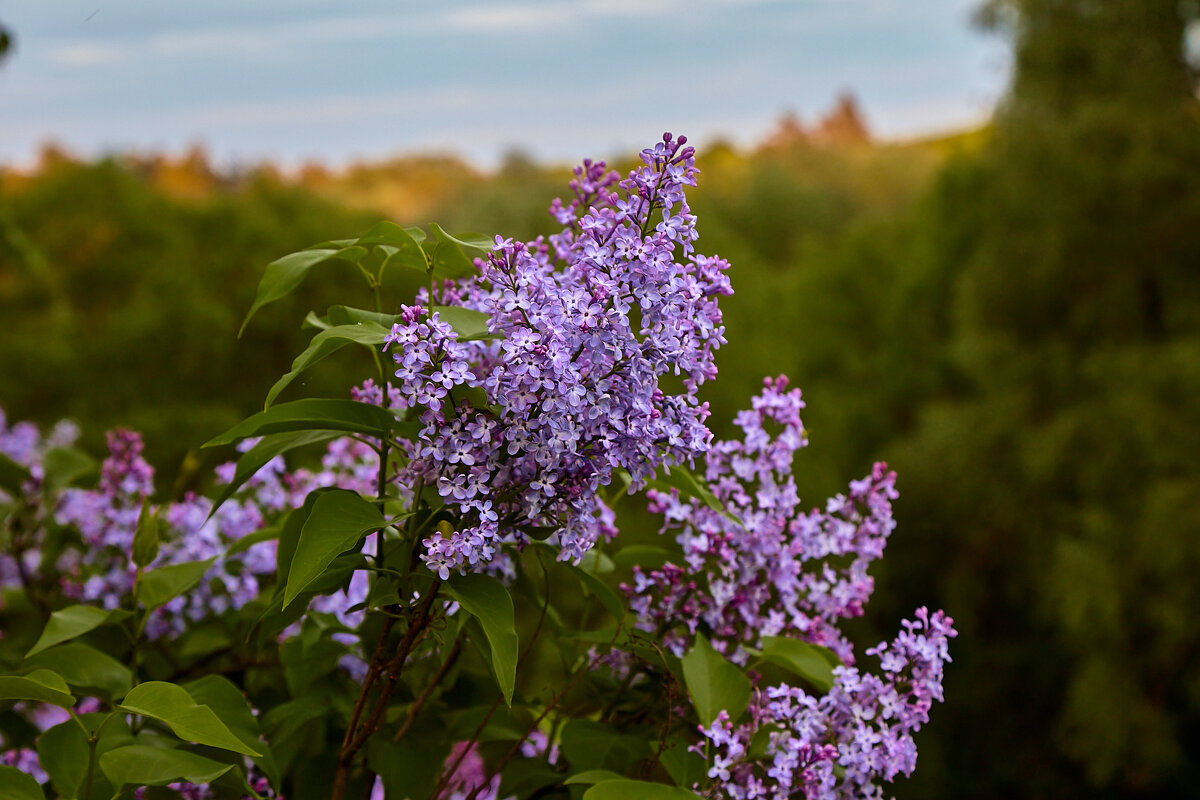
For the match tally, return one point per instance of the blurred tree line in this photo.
(1011, 317)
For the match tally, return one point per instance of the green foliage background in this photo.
(1010, 317)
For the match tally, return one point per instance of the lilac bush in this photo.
(388, 617)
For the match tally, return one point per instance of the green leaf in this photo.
(12, 475)
(468, 323)
(146, 537)
(256, 537)
(453, 255)
(641, 790)
(685, 767)
(594, 745)
(226, 699)
(140, 765)
(41, 685)
(72, 621)
(476, 244)
(591, 776)
(339, 519)
(289, 537)
(64, 466)
(646, 556)
(285, 274)
(402, 245)
(600, 590)
(256, 457)
(325, 343)
(681, 478)
(63, 753)
(311, 414)
(523, 777)
(17, 785)
(203, 640)
(311, 320)
(347, 315)
(486, 599)
(493, 724)
(385, 232)
(714, 683)
(809, 661)
(410, 767)
(162, 585)
(171, 704)
(85, 667)
(761, 741)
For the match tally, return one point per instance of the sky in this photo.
(307, 80)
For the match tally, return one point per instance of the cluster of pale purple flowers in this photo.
(23, 444)
(757, 566)
(842, 743)
(106, 517)
(590, 322)
(758, 558)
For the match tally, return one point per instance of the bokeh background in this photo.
(970, 231)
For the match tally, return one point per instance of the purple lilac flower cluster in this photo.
(769, 569)
(841, 744)
(43, 717)
(592, 320)
(25, 445)
(762, 568)
(106, 517)
(202, 791)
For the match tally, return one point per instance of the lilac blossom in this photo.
(758, 566)
(841, 744)
(590, 322)
(767, 568)
(99, 570)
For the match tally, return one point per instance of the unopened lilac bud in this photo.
(682, 140)
(667, 137)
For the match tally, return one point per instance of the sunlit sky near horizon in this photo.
(297, 80)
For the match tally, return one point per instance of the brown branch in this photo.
(423, 698)
(516, 748)
(417, 628)
(342, 776)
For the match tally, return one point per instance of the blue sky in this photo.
(292, 80)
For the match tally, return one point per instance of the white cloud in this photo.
(87, 54)
(513, 18)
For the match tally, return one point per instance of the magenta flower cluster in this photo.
(590, 322)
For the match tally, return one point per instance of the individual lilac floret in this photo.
(589, 322)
